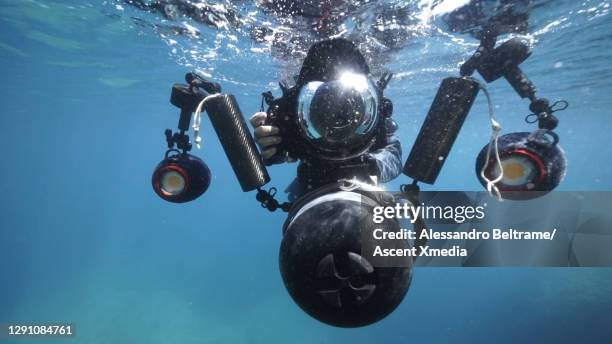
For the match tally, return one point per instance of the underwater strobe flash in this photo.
(529, 162)
(180, 177)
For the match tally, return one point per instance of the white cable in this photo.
(495, 129)
(197, 119)
(348, 184)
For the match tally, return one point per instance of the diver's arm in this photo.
(388, 160)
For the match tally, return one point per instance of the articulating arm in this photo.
(503, 61)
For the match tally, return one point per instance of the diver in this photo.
(344, 122)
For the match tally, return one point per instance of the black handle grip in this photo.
(440, 129)
(237, 141)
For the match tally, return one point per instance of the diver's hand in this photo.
(266, 136)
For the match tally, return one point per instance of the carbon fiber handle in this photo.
(237, 142)
(440, 129)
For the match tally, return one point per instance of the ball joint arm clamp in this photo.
(187, 97)
(503, 61)
(267, 200)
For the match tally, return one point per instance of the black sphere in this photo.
(322, 266)
(194, 171)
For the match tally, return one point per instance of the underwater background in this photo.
(85, 240)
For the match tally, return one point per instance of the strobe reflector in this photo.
(181, 178)
(533, 164)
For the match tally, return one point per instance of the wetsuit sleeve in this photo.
(388, 160)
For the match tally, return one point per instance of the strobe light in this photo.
(181, 178)
(533, 164)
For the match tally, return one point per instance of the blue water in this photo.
(84, 240)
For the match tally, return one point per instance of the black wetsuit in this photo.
(384, 161)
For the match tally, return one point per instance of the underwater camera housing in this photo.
(335, 112)
(288, 115)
